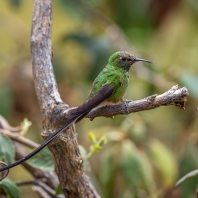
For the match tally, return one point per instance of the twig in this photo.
(40, 183)
(175, 96)
(5, 125)
(19, 138)
(39, 190)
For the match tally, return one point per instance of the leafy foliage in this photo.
(7, 151)
(9, 188)
(58, 189)
(43, 160)
(25, 126)
(134, 159)
(164, 161)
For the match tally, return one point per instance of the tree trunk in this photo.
(64, 148)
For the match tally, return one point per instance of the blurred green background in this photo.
(147, 152)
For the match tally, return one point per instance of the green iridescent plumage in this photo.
(115, 74)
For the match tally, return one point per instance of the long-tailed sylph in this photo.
(109, 86)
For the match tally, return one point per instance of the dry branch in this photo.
(19, 138)
(173, 96)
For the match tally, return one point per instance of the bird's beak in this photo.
(143, 60)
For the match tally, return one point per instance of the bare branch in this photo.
(41, 47)
(19, 138)
(41, 192)
(5, 125)
(173, 96)
(41, 184)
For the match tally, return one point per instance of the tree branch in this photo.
(19, 138)
(41, 48)
(173, 96)
(41, 192)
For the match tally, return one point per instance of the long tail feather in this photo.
(74, 115)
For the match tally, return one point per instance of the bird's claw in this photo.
(126, 106)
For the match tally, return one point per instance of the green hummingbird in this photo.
(109, 87)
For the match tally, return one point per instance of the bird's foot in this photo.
(68, 112)
(127, 106)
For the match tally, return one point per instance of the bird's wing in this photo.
(105, 92)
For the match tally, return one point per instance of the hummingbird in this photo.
(109, 87)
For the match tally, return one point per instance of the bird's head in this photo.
(124, 60)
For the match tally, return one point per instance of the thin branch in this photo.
(40, 183)
(5, 125)
(174, 96)
(13, 133)
(41, 192)
(19, 138)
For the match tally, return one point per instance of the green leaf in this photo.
(135, 126)
(43, 160)
(137, 169)
(187, 163)
(58, 189)
(25, 125)
(164, 160)
(108, 167)
(9, 188)
(96, 145)
(83, 152)
(7, 151)
(191, 82)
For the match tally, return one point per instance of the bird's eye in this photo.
(123, 58)
(128, 59)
